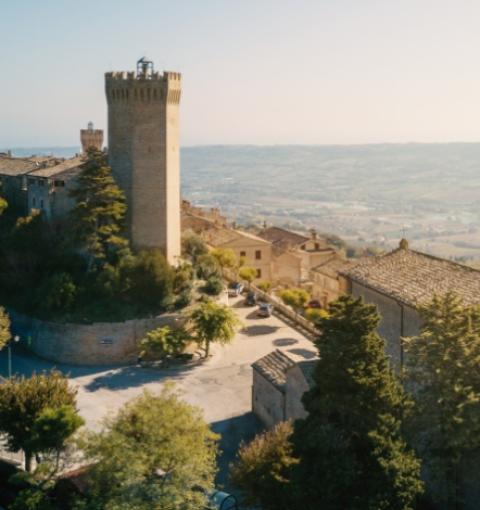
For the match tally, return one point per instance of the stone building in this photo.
(48, 188)
(327, 284)
(295, 254)
(91, 138)
(144, 153)
(278, 385)
(398, 282)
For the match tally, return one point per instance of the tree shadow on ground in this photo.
(134, 376)
(259, 329)
(283, 342)
(305, 353)
(233, 431)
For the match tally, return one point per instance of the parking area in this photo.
(221, 386)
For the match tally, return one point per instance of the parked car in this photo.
(235, 289)
(251, 299)
(265, 310)
(313, 303)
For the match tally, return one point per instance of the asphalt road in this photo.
(221, 385)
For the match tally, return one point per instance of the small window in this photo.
(258, 254)
(41, 205)
(31, 181)
(317, 246)
(304, 247)
(59, 184)
(34, 202)
(259, 273)
(243, 254)
(41, 182)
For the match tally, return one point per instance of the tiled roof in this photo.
(273, 367)
(282, 238)
(414, 278)
(64, 166)
(15, 166)
(333, 266)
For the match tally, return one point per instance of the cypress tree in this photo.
(351, 449)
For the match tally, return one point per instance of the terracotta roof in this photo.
(333, 266)
(414, 278)
(16, 166)
(282, 238)
(219, 236)
(64, 166)
(273, 367)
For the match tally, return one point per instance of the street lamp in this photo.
(16, 338)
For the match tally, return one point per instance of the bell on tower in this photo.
(144, 68)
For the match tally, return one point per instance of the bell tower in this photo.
(144, 153)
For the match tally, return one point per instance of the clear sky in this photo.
(254, 71)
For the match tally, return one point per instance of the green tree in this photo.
(58, 293)
(5, 334)
(443, 368)
(226, 257)
(352, 437)
(213, 322)
(262, 467)
(163, 342)
(97, 220)
(213, 286)
(315, 314)
(296, 298)
(3, 205)
(23, 401)
(265, 286)
(193, 247)
(207, 266)
(158, 452)
(247, 273)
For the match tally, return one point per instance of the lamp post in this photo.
(16, 338)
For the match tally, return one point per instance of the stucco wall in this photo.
(267, 401)
(102, 343)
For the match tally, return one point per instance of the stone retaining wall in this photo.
(101, 343)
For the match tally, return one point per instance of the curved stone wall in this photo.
(101, 343)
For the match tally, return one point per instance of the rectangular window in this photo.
(59, 184)
(243, 254)
(259, 273)
(34, 202)
(41, 205)
(31, 181)
(258, 254)
(41, 182)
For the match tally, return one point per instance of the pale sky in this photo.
(254, 71)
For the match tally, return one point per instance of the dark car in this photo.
(314, 303)
(235, 289)
(251, 299)
(265, 310)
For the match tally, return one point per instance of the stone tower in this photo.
(144, 153)
(91, 138)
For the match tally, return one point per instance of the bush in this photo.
(295, 297)
(247, 273)
(213, 286)
(315, 314)
(207, 266)
(163, 342)
(265, 286)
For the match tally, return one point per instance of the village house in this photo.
(295, 254)
(398, 282)
(326, 283)
(278, 385)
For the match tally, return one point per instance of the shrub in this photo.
(163, 342)
(213, 286)
(247, 273)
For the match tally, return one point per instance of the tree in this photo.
(352, 437)
(296, 298)
(97, 220)
(443, 369)
(315, 314)
(247, 273)
(158, 452)
(5, 334)
(163, 342)
(3, 205)
(207, 266)
(265, 286)
(24, 401)
(58, 293)
(225, 257)
(193, 247)
(262, 467)
(213, 286)
(213, 322)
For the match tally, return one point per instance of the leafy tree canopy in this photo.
(294, 297)
(5, 334)
(247, 273)
(352, 438)
(158, 452)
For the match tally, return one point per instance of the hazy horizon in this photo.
(256, 73)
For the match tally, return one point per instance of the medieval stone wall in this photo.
(102, 343)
